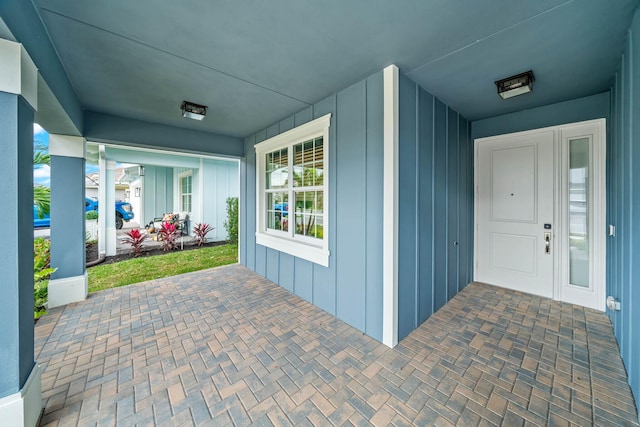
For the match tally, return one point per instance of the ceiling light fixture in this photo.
(193, 111)
(515, 85)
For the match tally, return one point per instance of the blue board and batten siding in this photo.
(351, 286)
(158, 189)
(435, 208)
(623, 210)
(435, 239)
(221, 181)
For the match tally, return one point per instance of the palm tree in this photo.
(41, 194)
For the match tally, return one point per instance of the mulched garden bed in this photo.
(92, 252)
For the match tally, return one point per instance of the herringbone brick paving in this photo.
(227, 347)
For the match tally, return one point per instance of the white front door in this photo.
(540, 212)
(514, 212)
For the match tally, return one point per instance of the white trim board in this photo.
(67, 146)
(24, 407)
(18, 73)
(68, 289)
(390, 207)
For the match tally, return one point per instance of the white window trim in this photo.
(180, 176)
(318, 250)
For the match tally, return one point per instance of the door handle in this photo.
(547, 243)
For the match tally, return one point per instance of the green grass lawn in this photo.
(137, 270)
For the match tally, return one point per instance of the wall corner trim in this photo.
(23, 408)
(390, 207)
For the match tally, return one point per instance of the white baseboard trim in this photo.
(68, 290)
(24, 407)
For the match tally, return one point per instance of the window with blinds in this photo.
(296, 187)
(292, 189)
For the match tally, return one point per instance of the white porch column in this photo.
(69, 283)
(102, 196)
(20, 385)
(107, 207)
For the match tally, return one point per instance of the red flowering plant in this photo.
(135, 239)
(200, 231)
(169, 234)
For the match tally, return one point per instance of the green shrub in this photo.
(40, 298)
(91, 215)
(231, 224)
(41, 272)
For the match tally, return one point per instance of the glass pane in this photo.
(297, 156)
(186, 184)
(278, 211)
(186, 203)
(308, 214)
(312, 174)
(276, 173)
(308, 152)
(308, 163)
(579, 212)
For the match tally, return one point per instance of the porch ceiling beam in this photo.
(147, 157)
(106, 128)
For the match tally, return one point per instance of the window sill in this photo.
(317, 255)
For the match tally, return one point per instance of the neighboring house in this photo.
(164, 182)
(122, 179)
(201, 191)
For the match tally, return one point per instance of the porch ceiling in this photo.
(254, 62)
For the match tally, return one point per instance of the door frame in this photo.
(597, 192)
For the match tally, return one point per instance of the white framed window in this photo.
(185, 184)
(292, 191)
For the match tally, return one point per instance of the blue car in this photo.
(124, 212)
(282, 209)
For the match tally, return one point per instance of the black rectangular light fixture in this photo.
(515, 85)
(193, 111)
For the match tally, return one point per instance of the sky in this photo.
(42, 173)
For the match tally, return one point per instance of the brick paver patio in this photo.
(227, 347)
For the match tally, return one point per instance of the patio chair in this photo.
(180, 219)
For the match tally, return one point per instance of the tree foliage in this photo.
(41, 194)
